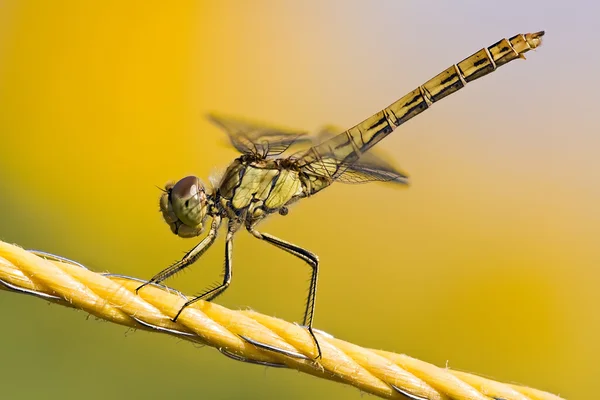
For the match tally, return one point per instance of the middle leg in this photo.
(211, 294)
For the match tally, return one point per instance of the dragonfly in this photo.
(266, 179)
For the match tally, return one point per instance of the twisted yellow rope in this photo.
(245, 335)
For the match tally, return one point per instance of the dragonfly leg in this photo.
(312, 260)
(216, 291)
(188, 259)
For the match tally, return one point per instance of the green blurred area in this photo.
(488, 262)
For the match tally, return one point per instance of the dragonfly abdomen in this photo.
(368, 133)
(333, 156)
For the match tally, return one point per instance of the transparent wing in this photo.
(256, 138)
(368, 167)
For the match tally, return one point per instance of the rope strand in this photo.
(244, 335)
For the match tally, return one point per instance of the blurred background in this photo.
(488, 263)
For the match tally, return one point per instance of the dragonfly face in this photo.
(184, 206)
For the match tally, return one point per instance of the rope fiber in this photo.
(243, 335)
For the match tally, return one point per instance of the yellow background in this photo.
(489, 262)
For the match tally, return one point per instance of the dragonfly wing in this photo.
(256, 138)
(368, 167)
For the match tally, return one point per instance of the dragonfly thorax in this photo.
(184, 206)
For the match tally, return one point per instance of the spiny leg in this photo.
(213, 293)
(189, 258)
(312, 260)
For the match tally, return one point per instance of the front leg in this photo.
(189, 258)
(312, 260)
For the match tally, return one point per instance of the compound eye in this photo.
(188, 201)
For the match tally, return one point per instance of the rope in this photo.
(244, 335)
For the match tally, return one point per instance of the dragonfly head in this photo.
(183, 206)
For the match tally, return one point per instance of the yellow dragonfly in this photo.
(264, 181)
